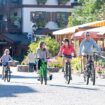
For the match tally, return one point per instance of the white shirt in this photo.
(31, 58)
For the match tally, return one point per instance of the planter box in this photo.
(23, 68)
(53, 69)
(13, 63)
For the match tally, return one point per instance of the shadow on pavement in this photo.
(76, 87)
(13, 90)
(16, 76)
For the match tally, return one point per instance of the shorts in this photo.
(5, 63)
(67, 56)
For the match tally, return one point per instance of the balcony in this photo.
(8, 27)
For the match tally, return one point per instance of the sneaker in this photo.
(38, 79)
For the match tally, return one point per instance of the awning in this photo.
(73, 29)
(65, 31)
(93, 24)
(96, 33)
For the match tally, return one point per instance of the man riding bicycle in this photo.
(66, 51)
(87, 48)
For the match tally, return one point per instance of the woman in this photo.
(42, 53)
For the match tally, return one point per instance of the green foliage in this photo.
(76, 64)
(52, 45)
(85, 13)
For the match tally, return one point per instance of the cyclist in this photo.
(66, 50)
(42, 53)
(87, 48)
(5, 59)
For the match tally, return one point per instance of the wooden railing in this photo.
(9, 28)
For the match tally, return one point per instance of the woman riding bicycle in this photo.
(42, 54)
(66, 50)
(5, 59)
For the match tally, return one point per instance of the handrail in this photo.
(101, 56)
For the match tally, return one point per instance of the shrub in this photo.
(52, 45)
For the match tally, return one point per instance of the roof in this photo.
(73, 29)
(93, 24)
(42, 31)
(17, 38)
(65, 31)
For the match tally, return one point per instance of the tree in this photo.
(52, 45)
(83, 14)
(101, 12)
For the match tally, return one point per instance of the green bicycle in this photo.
(43, 71)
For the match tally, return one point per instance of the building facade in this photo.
(51, 14)
(18, 16)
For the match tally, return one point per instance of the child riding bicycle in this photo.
(5, 59)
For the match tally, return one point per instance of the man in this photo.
(87, 47)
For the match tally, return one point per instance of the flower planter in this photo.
(23, 68)
(13, 63)
(41, 2)
(53, 69)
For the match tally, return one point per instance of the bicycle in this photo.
(7, 74)
(43, 71)
(89, 72)
(67, 71)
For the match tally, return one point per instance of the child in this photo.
(5, 59)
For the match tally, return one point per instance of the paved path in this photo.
(24, 89)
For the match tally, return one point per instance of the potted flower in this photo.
(41, 2)
(62, 2)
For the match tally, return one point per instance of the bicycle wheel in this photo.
(88, 75)
(8, 75)
(45, 78)
(41, 75)
(84, 75)
(67, 73)
(45, 73)
(87, 81)
(93, 75)
(41, 79)
(5, 76)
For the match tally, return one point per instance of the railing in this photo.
(4, 3)
(7, 27)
